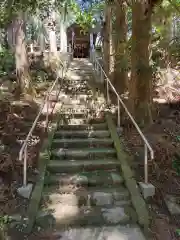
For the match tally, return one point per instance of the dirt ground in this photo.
(163, 136)
(16, 119)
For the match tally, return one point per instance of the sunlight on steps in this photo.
(105, 233)
(84, 189)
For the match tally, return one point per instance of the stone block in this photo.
(148, 190)
(25, 191)
(102, 198)
(117, 179)
(115, 215)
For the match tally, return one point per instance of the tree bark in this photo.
(52, 41)
(120, 67)
(140, 86)
(111, 44)
(106, 44)
(42, 42)
(63, 36)
(52, 33)
(22, 64)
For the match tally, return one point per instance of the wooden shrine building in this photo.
(79, 40)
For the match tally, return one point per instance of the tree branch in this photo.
(174, 5)
(129, 3)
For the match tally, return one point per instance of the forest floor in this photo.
(164, 171)
(16, 118)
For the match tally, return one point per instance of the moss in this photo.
(137, 200)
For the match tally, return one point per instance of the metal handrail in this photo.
(98, 67)
(23, 150)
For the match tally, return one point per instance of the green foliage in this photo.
(4, 221)
(176, 166)
(87, 16)
(7, 61)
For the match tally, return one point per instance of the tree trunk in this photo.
(140, 86)
(42, 42)
(22, 64)
(52, 33)
(63, 38)
(120, 68)
(106, 47)
(11, 34)
(111, 44)
(52, 41)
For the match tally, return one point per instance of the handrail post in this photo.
(101, 75)
(97, 69)
(119, 112)
(47, 113)
(25, 167)
(107, 91)
(145, 164)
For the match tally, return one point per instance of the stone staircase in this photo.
(84, 187)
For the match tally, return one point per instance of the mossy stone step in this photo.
(76, 107)
(74, 200)
(66, 215)
(71, 127)
(128, 232)
(93, 178)
(82, 90)
(73, 115)
(71, 110)
(80, 143)
(77, 87)
(119, 192)
(64, 96)
(85, 153)
(93, 197)
(82, 134)
(82, 165)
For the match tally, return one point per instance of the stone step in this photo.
(77, 94)
(87, 127)
(118, 232)
(82, 165)
(74, 101)
(73, 117)
(73, 108)
(92, 178)
(74, 82)
(82, 134)
(68, 98)
(82, 143)
(98, 199)
(70, 120)
(85, 153)
(91, 197)
(119, 192)
(78, 90)
(66, 215)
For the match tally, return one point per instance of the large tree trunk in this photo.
(141, 73)
(52, 33)
(22, 64)
(42, 42)
(120, 68)
(63, 38)
(111, 44)
(106, 45)
(52, 41)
